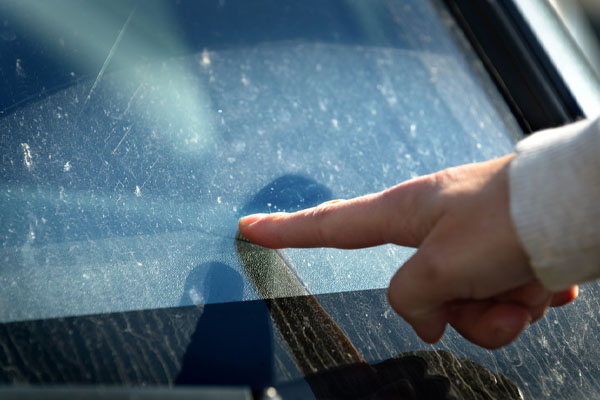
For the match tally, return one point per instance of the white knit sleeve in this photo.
(555, 203)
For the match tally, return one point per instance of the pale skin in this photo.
(470, 270)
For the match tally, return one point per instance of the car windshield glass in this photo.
(134, 135)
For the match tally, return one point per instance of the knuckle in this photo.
(322, 211)
(418, 210)
(447, 187)
(332, 202)
(448, 180)
(321, 214)
(434, 180)
(435, 186)
(448, 176)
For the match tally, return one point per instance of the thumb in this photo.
(418, 292)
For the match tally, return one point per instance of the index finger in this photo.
(392, 216)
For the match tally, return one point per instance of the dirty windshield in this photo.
(135, 134)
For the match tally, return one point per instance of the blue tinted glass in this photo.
(135, 136)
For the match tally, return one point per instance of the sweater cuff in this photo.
(554, 203)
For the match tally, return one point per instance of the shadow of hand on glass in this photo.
(232, 343)
(287, 193)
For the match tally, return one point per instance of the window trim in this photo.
(524, 73)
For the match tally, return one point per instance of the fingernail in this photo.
(540, 298)
(514, 325)
(250, 219)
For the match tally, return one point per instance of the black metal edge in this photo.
(522, 70)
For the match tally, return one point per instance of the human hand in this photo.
(469, 270)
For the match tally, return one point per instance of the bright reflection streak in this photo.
(577, 74)
(111, 53)
(177, 103)
(368, 15)
(574, 18)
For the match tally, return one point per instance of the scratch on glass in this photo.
(111, 53)
(135, 93)
(123, 138)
